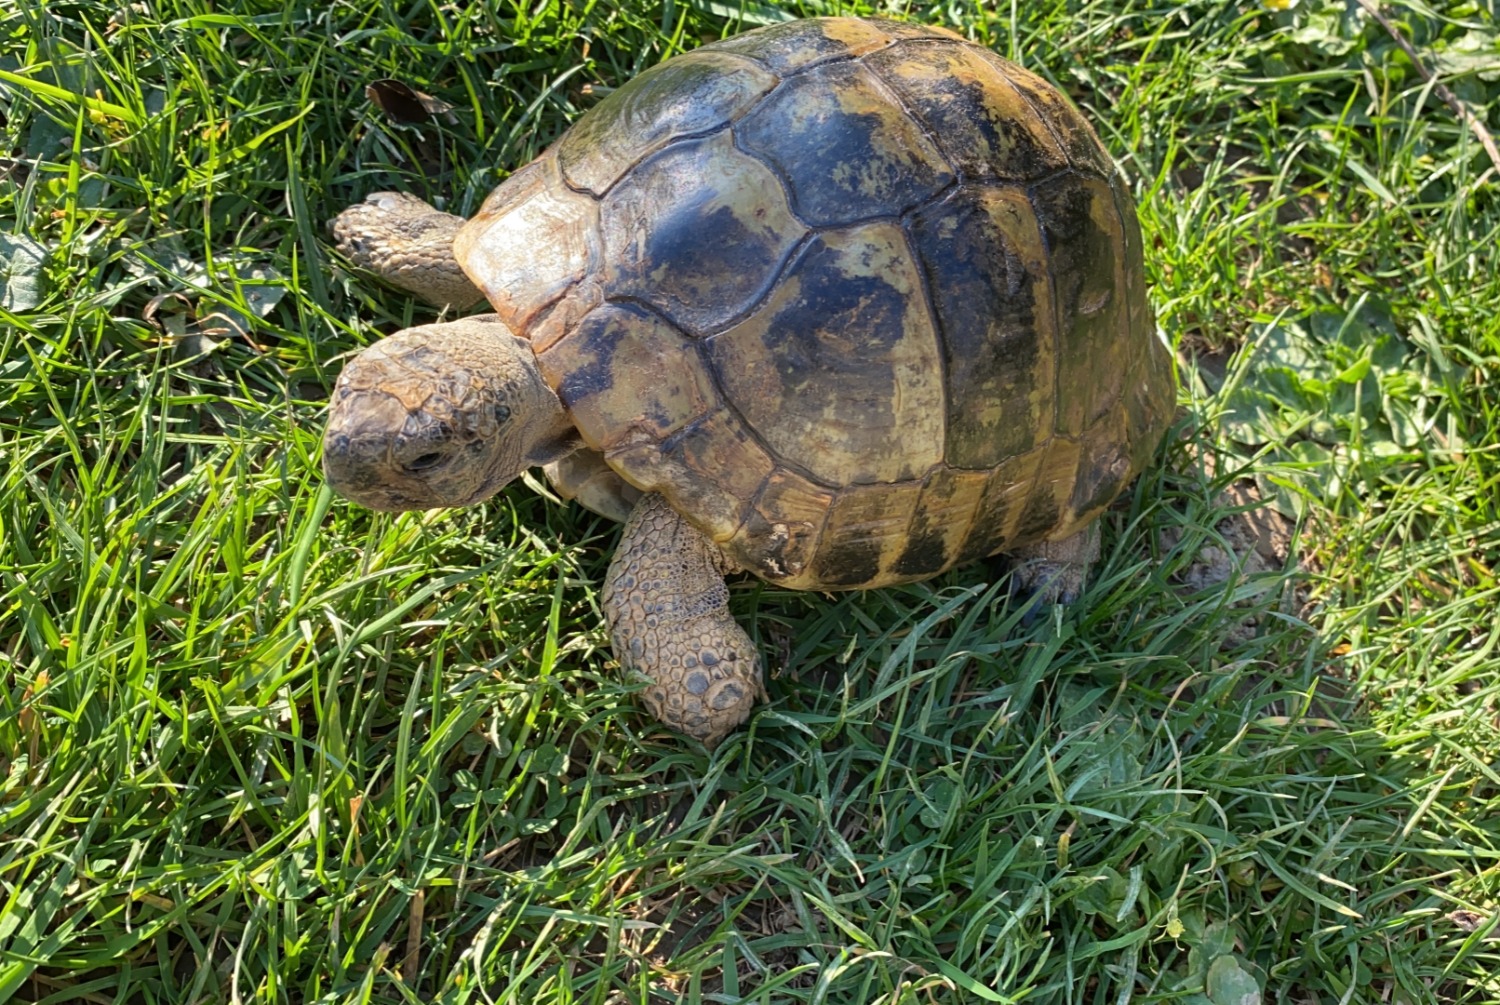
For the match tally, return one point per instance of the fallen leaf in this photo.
(1471, 922)
(405, 104)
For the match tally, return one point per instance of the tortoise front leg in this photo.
(409, 244)
(667, 610)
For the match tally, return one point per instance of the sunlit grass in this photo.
(260, 745)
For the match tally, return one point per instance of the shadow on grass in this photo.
(1176, 793)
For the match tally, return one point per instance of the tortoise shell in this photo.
(862, 300)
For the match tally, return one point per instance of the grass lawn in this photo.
(259, 745)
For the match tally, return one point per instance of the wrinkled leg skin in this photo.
(667, 610)
(1054, 572)
(409, 244)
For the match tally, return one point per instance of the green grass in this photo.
(259, 745)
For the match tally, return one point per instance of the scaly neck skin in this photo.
(441, 415)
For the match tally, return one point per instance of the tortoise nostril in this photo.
(425, 462)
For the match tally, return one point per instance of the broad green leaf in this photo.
(1229, 984)
(21, 261)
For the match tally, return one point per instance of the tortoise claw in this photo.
(1037, 602)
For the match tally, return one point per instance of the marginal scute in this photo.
(1086, 242)
(709, 471)
(838, 371)
(865, 535)
(905, 29)
(627, 376)
(691, 94)
(990, 282)
(982, 123)
(1104, 466)
(1048, 512)
(565, 315)
(845, 149)
(1002, 506)
(1148, 388)
(794, 46)
(781, 530)
(1073, 131)
(1138, 305)
(698, 231)
(945, 511)
(533, 239)
(1150, 402)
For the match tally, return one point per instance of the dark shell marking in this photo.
(986, 266)
(838, 369)
(699, 232)
(861, 299)
(848, 152)
(980, 119)
(786, 49)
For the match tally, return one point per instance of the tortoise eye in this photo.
(502, 414)
(425, 462)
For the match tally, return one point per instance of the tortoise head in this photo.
(441, 415)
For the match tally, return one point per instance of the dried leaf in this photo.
(405, 104)
(1471, 922)
(11, 170)
(169, 313)
(221, 325)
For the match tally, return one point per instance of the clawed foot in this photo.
(1054, 572)
(668, 613)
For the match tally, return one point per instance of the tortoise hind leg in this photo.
(667, 610)
(408, 244)
(1054, 572)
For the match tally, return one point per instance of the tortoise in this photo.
(841, 303)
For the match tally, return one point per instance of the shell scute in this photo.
(1048, 512)
(796, 45)
(1148, 384)
(1104, 466)
(990, 282)
(945, 512)
(627, 376)
(1072, 130)
(1086, 244)
(782, 529)
(691, 94)
(1007, 489)
(984, 125)
(866, 534)
(532, 241)
(922, 32)
(711, 468)
(698, 232)
(838, 370)
(846, 151)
